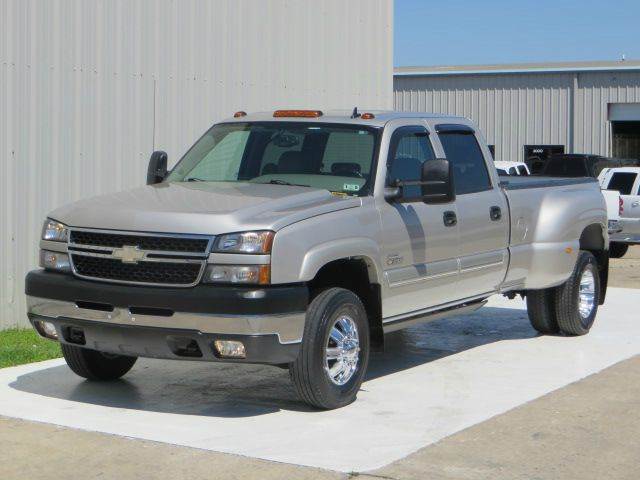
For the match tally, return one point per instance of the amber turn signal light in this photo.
(297, 113)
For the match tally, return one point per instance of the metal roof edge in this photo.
(512, 71)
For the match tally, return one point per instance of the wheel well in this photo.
(592, 240)
(353, 274)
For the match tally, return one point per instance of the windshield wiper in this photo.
(276, 181)
(194, 179)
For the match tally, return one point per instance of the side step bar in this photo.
(420, 317)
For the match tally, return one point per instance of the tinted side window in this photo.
(410, 148)
(470, 172)
(622, 182)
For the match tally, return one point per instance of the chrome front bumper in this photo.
(288, 327)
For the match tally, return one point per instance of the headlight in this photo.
(248, 274)
(55, 261)
(245, 242)
(54, 231)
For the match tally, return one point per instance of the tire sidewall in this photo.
(343, 302)
(587, 261)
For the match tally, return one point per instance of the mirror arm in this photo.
(392, 193)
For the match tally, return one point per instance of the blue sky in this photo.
(453, 32)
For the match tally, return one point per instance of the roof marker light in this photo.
(239, 114)
(367, 116)
(297, 113)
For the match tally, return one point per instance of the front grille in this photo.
(142, 272)
(143, 242)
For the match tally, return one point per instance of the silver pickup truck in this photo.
(299, 238)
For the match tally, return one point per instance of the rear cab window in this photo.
(470, 173)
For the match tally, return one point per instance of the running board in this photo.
(413, 319)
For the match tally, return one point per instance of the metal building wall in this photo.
(514, 110)
(511, 110)
(89, 88)
(593, 94)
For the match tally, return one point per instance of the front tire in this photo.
(578, 298)
(94, 365)
(335, 350)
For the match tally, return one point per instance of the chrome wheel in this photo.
(587, 293)
(342, 351)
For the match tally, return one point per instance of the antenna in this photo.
(355, 113)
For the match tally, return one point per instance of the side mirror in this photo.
(437, 181)
(157, 169)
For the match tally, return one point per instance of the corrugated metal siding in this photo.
(511, 110)
(514, 110)
(88, 88)
(595, 91)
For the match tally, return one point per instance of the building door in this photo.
(626, 139)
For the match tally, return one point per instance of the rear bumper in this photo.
(622, 237)
(148, 321)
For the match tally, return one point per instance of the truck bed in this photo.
(547, 216)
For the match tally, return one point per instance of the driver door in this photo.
(419, 246)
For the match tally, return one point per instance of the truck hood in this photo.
(208, 208)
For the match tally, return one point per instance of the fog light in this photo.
(47, 329)
(229, 349)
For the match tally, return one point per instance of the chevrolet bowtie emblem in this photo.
(129, 254)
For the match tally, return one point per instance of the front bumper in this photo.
(157, 322)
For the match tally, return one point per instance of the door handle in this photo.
(449, 218)
(495, 213)
(635, 204)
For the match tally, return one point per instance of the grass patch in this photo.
(23, 345)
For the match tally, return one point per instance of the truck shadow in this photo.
(234, 391)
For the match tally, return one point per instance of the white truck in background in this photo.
(511, 168)
(625, 181)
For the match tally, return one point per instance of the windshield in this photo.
(335, 157)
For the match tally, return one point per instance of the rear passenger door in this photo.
(483, 215)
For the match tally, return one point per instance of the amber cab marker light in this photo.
(239, 114)
(297, 113)
(367, 116)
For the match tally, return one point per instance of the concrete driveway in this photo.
(433, 381)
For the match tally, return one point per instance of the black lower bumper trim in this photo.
(166, 343)
(225, 300)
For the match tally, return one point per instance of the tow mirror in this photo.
(437, 181)
(157, 170)
(436, 185)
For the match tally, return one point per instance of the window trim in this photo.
(455, 128)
